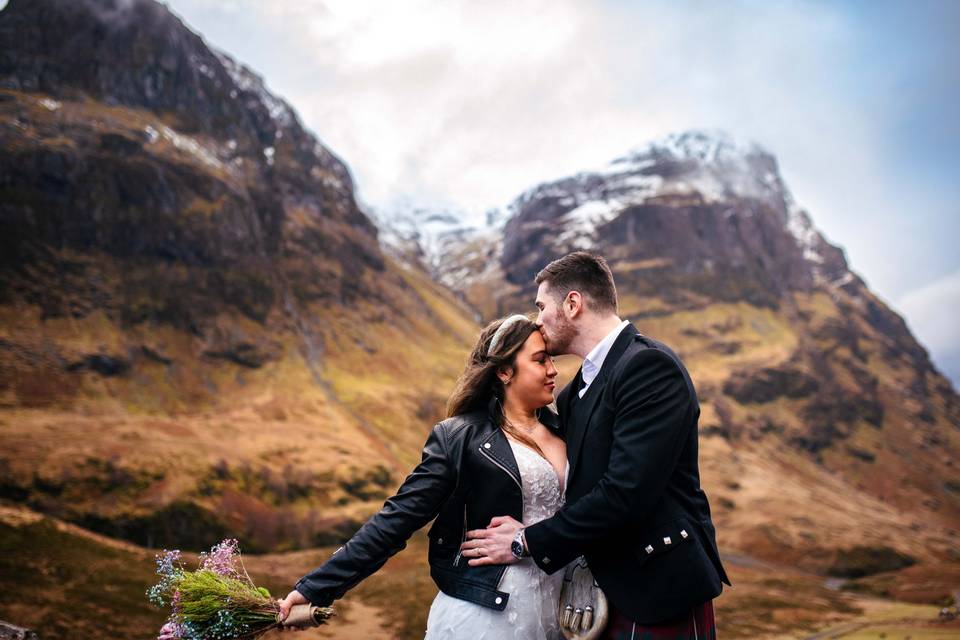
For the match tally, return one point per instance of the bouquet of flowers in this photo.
(219, 601)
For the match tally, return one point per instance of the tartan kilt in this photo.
(699, 624)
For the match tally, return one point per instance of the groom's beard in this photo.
(558, 343)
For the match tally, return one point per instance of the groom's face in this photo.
(557, 330)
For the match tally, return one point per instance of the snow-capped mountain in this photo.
(704, 168)
(453, 246)
(689, 169)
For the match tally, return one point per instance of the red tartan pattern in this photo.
(699, 624)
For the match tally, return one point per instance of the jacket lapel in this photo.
(497, 450)
(579, 419)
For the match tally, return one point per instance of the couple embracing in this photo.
(518, 493)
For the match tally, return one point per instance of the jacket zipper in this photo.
(503, 569)
(463, 537)
(505, 470)
(456, 559)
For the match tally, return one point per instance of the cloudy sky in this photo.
(452, 103)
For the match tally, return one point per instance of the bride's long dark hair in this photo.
(479, 386)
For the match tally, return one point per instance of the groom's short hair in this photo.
(583, 272)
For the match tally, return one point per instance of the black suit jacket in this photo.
(634, 506)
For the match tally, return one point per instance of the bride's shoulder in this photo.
(462, 424)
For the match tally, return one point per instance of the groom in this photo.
(634, 506)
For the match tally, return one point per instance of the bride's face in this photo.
(533, 379)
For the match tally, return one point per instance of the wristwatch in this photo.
(517, 548)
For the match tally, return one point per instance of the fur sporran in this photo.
(582, 610)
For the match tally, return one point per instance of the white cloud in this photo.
(471, 103)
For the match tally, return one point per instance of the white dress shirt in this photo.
(594, 360)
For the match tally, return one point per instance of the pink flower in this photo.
(220, 558)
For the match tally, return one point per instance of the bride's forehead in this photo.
(534, 343)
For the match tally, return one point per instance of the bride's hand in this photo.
(293, 598)
(491, 545)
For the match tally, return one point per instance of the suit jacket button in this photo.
(666, 540)
(499, 600)
(439, 540)
(486, 445)
(649, 548)
(546, 560)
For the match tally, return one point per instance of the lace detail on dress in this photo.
(541, 486)
(530, 613)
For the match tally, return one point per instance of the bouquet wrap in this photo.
(303, 616)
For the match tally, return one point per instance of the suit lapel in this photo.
(579, 418)
(567, 400)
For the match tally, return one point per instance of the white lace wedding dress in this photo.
(530, 613)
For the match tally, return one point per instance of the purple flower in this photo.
(166, 563)
(220, 558)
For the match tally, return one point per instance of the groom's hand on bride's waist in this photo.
(491, 545)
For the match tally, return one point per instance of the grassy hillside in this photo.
(287, 455)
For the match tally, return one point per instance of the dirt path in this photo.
(891, 619)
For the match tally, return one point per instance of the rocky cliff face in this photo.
(192, 304)
(126, 136)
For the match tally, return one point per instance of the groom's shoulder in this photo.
(650, 350)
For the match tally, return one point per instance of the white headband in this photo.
(502, 329)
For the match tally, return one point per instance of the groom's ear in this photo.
(573, 304)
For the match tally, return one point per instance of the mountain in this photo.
(199, 330)
(825, 426)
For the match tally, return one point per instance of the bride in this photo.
(498, 453)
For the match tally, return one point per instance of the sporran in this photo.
(582, 609)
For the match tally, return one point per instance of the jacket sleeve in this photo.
(652, 406)
(417, 502)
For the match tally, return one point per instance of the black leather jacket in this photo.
(467, 476)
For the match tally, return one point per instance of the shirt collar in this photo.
(594, 360)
